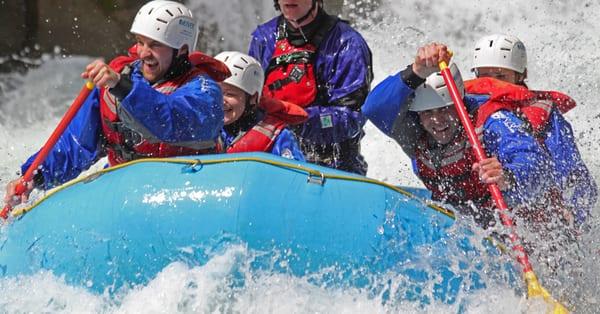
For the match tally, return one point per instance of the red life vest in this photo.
(447, 171)
(115, 138)
(262, 136)
(534, 106)
(291, 73)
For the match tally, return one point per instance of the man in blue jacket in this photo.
(320, 63)
(153, 105)
(414, 108)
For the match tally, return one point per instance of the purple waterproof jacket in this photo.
(344, 73)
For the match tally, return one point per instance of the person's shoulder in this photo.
(342, 35)
(268, 27)
(346, 31)
(505, 122)
(474, 101)
(344, 26)
(200, 83)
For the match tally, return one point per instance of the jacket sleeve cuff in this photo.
(38, 180)
(123, 87)
(410, 78)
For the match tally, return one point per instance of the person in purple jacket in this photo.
(320, 63)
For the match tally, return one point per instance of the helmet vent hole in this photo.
(178, 8)
(505, 49)
(477, 49)
(226, 58)
(162, 21)
(171, 14)
(150, 12)
(491, 43)
(238, 67)
(246, 61)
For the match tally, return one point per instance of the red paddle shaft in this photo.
(43, 153)
(480, 155)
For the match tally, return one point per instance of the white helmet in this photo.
(500, 51)
(167, 22)
(246, 72)
(434, 94)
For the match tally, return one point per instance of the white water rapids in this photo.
(564, 54)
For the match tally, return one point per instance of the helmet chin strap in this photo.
(179, 65)
(307, 15)
(247, 120)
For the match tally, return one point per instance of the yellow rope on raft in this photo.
(286, 165)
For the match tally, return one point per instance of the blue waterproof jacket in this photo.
(343, 67)
(579, 189)
(193, 112)
(286, 145)
(505, 136)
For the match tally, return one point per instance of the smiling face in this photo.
(234, 102)
(156, 57)
(442, 124)
(293, 10)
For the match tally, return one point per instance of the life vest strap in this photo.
(295, 76)
(296, 57)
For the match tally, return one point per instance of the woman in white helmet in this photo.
(414, 107)
(252, 123)
(499, 59)
(151, 104)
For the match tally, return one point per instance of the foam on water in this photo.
(562, 43)
(214, 288)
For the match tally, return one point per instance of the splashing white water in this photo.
(210, 288)
(562, 42)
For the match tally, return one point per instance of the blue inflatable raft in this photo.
(123, 225)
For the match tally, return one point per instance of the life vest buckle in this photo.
(296, 74)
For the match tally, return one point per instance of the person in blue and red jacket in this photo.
(414, 108)
(252, 123)
(500, 58)
(320, 63)
(154, 103)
